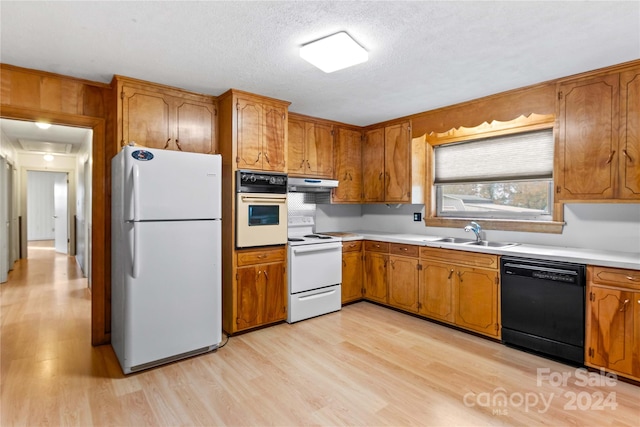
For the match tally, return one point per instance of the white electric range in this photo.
(314, 270)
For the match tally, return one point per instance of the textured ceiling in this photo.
(423, 54)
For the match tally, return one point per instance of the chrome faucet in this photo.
(475, 227)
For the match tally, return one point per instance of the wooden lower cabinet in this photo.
(461, 293)
(475, 302)
(260, 288)
(436, 291)
(376, 276)
(403, 282)
(613, 320)
(351, 271)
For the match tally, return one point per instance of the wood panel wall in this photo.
(27, 94)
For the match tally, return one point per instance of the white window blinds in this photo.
(504, 158)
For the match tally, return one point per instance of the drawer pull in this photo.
(450, 274)
(611, 156)
(262, 256)
(633, 279)
(624, 305)
(353, 245)
(404, 249)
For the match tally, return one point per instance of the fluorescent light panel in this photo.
(334, 52)
(43, 125)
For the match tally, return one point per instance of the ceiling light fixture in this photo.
(333, 53)
(43, 125)
(48, 157)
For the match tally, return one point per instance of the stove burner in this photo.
(318, 236)
(295, 239)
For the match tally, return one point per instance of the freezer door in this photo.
(164, 184)
(173, 305)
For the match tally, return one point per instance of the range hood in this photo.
(311, 185)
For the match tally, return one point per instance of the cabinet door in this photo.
(630, 134)
(196, 127)
(373, 166)
(610, 331)
(397, 183)
(403, 283)
(348, 167)
(476, 300)
(351, 276)
(275, 298)
(319, 150)
(436, 291)
(273, 144)
(588, 139)
(251, 297)
(295, 147)
(376, 281)
(146, 118)
(249, 134)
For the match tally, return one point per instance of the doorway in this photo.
(47, 209)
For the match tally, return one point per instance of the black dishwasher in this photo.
(542, 305)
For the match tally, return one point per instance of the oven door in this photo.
(314, 266)
(261, 219)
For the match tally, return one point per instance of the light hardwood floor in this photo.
(365, 365)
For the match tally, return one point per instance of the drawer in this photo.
(262, 256)
(614, 277)
(472, 259)
(353, 246)
(373, 246)
(406, 250)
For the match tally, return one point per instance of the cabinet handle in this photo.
(404, 249)
(167, 144)
(266, 158)
(262, 256)
(633, 279)
(353, 245)
(266, 276)
(450, 274)
(611, 156)
(345, 176)
(308, 164)
(301, 164)
(258, 159)
(178, 145)
(350, 177)
(624, 305)
(627, 155)
(460, 276)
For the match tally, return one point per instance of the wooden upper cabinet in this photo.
(348, 160)
(588, 138)
(145, 118)
(156, 116)
(598, 150)
(630, 134)
(387, 164)
(373, 165)
(397, 148)
(260, 135)
(310, 149)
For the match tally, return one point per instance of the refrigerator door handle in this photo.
(136, 193)
(136, 255)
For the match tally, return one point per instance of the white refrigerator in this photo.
(165, 256)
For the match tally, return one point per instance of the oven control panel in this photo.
(260, 182)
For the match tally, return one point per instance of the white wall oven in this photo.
(261, 209)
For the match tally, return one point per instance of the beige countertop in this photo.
(629, 260)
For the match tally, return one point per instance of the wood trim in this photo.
(552, 227)
(101, 211)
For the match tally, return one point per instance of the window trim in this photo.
(484, 130)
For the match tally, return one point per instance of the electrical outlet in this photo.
(417, 216)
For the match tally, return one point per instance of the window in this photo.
(503, 177)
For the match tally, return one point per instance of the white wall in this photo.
(611, 227)
(83, 206)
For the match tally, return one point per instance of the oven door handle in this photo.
(319, 248)
(263, 199)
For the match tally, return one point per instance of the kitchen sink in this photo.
(454, 240)
(491, 244)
